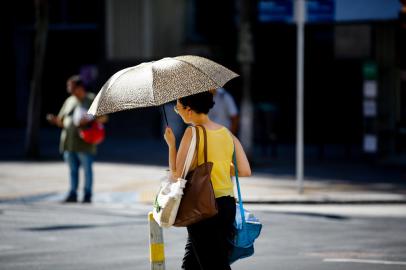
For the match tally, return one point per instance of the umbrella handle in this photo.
(166, 119)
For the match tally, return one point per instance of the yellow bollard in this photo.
(156, 244)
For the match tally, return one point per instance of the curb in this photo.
(315, 202)
(135, 197)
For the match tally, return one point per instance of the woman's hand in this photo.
(170, 137)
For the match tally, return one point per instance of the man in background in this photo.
(76, 151)
(225, 111)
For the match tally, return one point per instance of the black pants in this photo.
(207, 246)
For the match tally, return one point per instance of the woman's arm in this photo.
(171, 142)
(243, 165)
(177, 158)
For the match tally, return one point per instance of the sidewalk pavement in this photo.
(135, 183)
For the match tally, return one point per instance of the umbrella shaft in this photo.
(166, 119)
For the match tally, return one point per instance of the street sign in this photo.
(275, 11)
(283, 11)
(320, 10)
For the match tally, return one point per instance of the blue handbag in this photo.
(247, 227)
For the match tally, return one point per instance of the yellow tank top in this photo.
(220, 149)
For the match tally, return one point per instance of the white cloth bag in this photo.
(170, 194)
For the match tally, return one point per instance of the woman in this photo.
(207, 246)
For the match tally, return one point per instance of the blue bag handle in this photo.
(238, 189)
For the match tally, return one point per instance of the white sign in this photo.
(370, 143)
(370, 89)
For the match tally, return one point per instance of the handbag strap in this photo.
(197, 144)
(204, 146)
(189, 157)
(240, 204)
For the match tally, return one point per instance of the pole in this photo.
(147, 40)
(34, 104)
(164, 112)
(245, 57)
(156, 244)
(300, 19)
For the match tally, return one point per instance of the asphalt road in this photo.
(49, 235)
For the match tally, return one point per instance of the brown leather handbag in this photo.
(198, 201)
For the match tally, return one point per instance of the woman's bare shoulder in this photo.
(187, 135)
(214, 126)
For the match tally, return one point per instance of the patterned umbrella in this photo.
(158, 82)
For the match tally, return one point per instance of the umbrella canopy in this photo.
(158, 82)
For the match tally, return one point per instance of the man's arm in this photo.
(55, 120)
(232, 112)
(234, 124)
(102, 119)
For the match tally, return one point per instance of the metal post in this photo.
(34, 103)
(245, 57)
(156, 244)
(147, 40)
(300, 19)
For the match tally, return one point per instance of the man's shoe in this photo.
(70, 199)
(87, 199)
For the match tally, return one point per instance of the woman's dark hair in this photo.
(200, 103)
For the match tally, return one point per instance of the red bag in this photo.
(94, 133)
